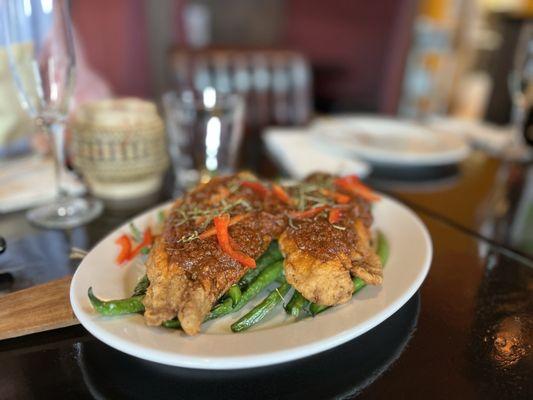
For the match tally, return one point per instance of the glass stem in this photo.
(518, 115)
(57, 135)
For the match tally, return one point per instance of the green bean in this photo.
(135, 232)
(382, 248)
(116, 307)
(358, 284)
(141, 286)
(161, 216)
(315, 308)
(383, 252)
(172, 324)
(221, 309)
(270, 256)
(265, 278)
(262, 309)
(296, 304)
(234, 293)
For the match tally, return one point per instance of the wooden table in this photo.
(467, 333)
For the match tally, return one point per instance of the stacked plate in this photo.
(387, 141)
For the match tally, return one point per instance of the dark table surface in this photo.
(483, 196)
(467, 333)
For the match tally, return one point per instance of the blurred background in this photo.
(378, 56)
(363, 56)
(405, 57)
(461, 67)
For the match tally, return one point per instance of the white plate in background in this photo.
(484, 135)
(389, 141)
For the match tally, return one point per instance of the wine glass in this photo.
(40, 51)
(521, 90)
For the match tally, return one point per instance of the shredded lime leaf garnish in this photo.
(135, 232)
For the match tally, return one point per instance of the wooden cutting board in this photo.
(36, 309)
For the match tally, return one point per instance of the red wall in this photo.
(357, 48)
(114, 37)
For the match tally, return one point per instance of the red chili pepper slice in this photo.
(335, 215)
(353, 185)
(309, 213)
(146, 242)
(257, 187)
(281, 194)
(125, 249)
(338, 197)
(224, 241)
(233, 220)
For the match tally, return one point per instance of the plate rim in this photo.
(252, 361)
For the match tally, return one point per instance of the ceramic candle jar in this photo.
(119, 145)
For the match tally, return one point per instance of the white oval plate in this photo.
(389, 141)
(277, 340)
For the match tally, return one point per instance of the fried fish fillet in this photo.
(366, 263)
(187, 277)
(187, 288)
(321, 259)
(322, 280)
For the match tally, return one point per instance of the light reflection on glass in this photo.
(209, 97)
(212, 142)
(47, 6)
(27, 8)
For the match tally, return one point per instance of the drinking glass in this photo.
(40, 51)
(205, 131)
(521, 88)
